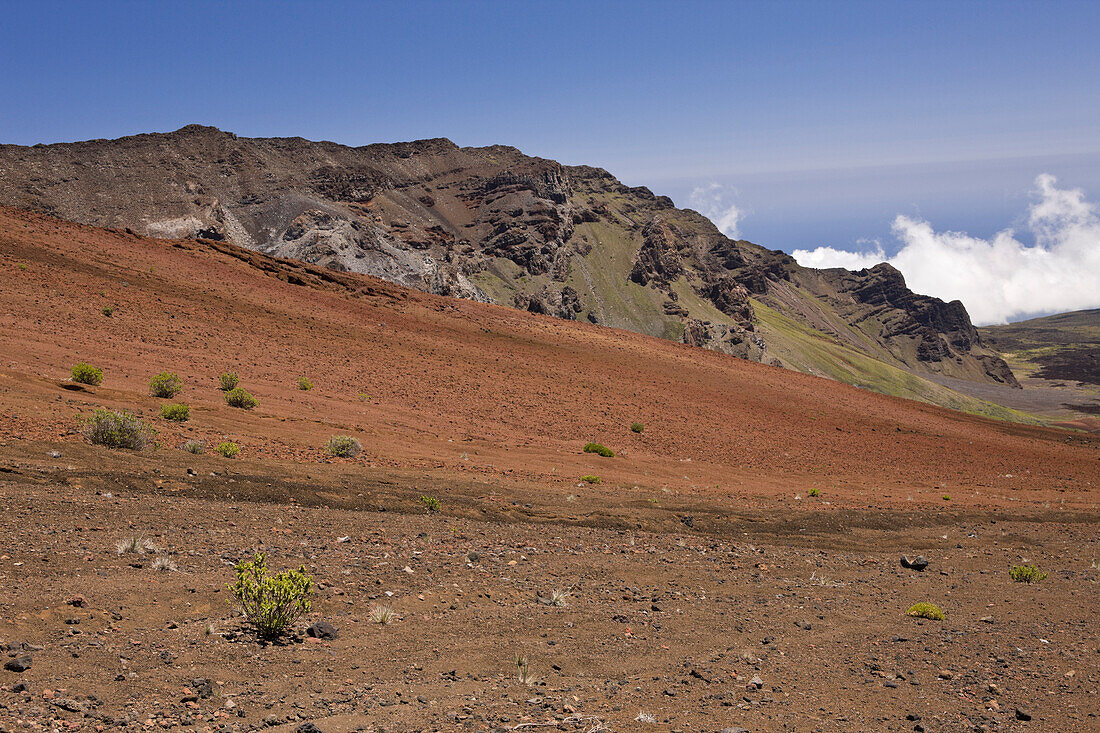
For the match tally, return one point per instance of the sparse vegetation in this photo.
(134, 546)
(1026, 574)
(165, 384)
(343, 446)
(560, 598)
(926, 610)
(523, 671)
(304, 384)
(599, 449)
(108, 311)
(85, 373)
(196, 447)
(228, 449)
(431, 503)
(590, 479)
(228, 381)
(636, 427)
(383, 615)
(271, 603)
(239, 397)
(653, 501)
(117, 430)
(165, 564)
(176, 413)
(815, 492)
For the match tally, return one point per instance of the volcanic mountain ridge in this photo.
(494, 225)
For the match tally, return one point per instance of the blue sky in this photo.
(820, 121)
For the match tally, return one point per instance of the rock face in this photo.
(493, 225)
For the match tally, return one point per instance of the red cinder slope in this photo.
(435, 384)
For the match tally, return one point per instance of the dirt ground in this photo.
(780, 620)
(707, 588)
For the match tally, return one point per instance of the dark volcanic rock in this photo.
(322, 630)
(19, 664)
(918, 563)
(658, 259)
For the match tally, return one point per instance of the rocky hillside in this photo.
(494, 225)
(1062, 347)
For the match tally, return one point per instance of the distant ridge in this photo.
(493, 225)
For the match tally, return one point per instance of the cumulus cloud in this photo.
(1001, 278)
(712, 202)
(823, 257)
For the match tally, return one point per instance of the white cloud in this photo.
(1000, 278)
(824, 257)
(710, 201)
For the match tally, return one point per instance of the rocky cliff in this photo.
(494, 225)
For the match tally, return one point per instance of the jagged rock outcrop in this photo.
(563, 303)
(939, 333)
(658, 259)
(494, 225)
(732, 340)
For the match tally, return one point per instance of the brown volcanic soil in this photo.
(690, 565)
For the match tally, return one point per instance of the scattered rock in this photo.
(307, 728)
(77, 601)
(918, 563)
(322, 630)
(19, 664)
(202, 687)
(1022, 714)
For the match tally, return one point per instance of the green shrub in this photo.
(431, 503)
(343, 446)
(599, 449)
(85, 373)
(636, 427)
(195, 446)
(947, 497)
(590, 479)
(1026, 574)
(108, 311)
(304, 383)
(228, 380)
(271, 603)
(228, 449)
(815, 492)
(926, 610)
(239, 397)
(175, 413)
(165, 384)
(117, 430)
